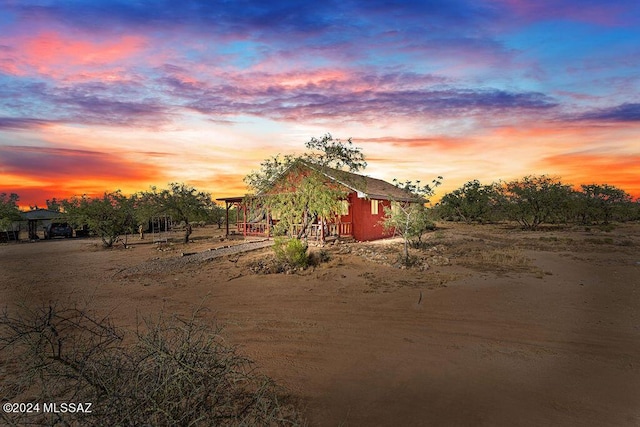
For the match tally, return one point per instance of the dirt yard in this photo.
(497, 327)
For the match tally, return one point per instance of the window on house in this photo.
(344, 209)
(374, 207)
(395, 208)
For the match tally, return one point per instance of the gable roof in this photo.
(366, 186)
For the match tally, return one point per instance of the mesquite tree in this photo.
(534, 200)
(294, 186)
(180, 201)
(410, 219)
(9, 210)
(109, 215)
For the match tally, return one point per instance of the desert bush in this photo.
(409, 260)
(318, 257)
(291, 251)
(271, 265)
(173, 371)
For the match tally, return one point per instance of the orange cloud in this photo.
(586, 168)
(40, 173)
(440, 143)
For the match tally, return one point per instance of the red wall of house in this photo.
(365, 225)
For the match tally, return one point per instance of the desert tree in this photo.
(9, 210)
(180, 201)
(216, 215)
(600, 202)
(325, 151)
(534, 200)
(471, 202)
(334, 153)
(410, 219)
(54, 204)
(109, 216)
(307, 195)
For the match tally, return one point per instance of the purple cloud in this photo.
(628, 112)
(18, 123)
(61, 163)
(116, 104)
(315, 102)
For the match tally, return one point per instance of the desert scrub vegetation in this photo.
(536, 200)
(289, 256)
(172, 371)
(292, 252)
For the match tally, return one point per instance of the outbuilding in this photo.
(38, 218)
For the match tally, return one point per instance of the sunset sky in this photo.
(104, 95)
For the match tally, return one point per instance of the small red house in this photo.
(360, 218)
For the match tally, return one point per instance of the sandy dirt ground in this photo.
(504, 327)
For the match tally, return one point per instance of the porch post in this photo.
(244, 216)
(268, 215)
(226, 205)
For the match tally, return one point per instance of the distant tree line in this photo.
(535, 200)
(114, 214)
(9, 212)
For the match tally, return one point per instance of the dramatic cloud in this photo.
(58, 55)
(201, 90)
(363, 98)
(52, 164)
(117, 104)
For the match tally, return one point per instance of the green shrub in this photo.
(291, 251)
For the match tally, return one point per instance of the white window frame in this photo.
(375, 207)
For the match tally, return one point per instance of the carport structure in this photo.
(39, 216)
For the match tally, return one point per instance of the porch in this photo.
(262, 224)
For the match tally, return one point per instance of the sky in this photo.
(103, 95)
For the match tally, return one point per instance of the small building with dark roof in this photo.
(38, 218)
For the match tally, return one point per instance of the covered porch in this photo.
(259, 222)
